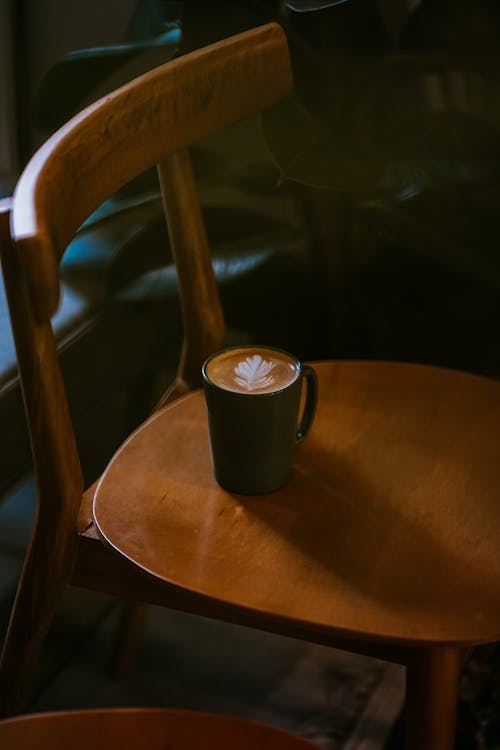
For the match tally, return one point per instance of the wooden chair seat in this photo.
(140, 728)
(387, 532)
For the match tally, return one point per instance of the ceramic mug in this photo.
(253, 396)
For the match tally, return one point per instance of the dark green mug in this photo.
(253, 396)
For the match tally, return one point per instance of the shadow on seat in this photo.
(385, 540)
(135, 729)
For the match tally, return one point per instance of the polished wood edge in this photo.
(177, 389)
(120, 577)
(85, 518)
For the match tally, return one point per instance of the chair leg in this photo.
(129, 629)
(37, 597)
(30, 620)
(432, 678)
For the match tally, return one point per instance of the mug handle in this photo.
(309, 374)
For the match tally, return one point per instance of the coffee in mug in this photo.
(252, 370)
(253, 396)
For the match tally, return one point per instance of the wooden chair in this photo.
(138, 728)
(386, 539)
(234, 75)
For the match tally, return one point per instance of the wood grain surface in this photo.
(388, 530)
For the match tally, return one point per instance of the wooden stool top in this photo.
(388, 530)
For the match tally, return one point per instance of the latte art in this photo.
(252, 370)
(254, 373)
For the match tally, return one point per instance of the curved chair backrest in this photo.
(135, 729)
(131, 129)
(149, 121)
(152, 120)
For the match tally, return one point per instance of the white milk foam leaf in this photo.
(254, 373)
